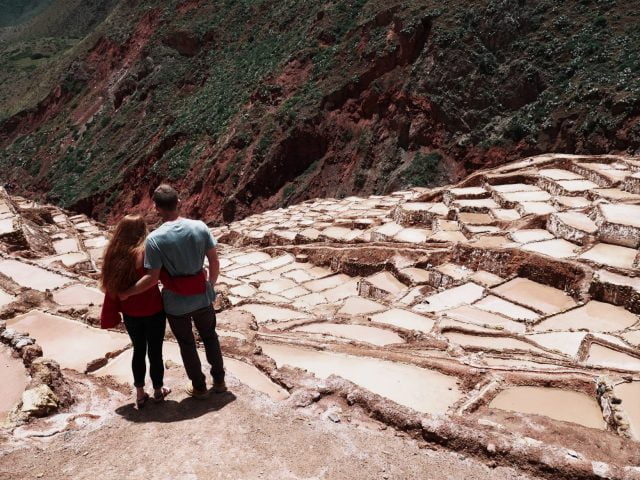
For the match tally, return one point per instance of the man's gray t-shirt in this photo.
(180, 247)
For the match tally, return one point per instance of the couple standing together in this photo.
(173, 254)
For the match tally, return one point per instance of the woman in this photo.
(144, 316)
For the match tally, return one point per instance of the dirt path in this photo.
(239, 435)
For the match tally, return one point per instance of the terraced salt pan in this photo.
(31, 276)
(571, 186)
(515, 187)
(594, 316)
(267, 313)
(559, 174)
(361, 333)
(6, 298)
(493, 241)
(629, 393)
(476, 229)
(71, 344)
(615, 194)
(97, 253)
(404, 319)
(326, 283)
(611, 255)
(572, 202)
(244, 271)
(416, 276)
(517, 363)
(563, 405)
(6, 226)
(600, 355)
(252, 258)
(295, 293)
(66, 245)
(485, 204)
(487, 319)
(360, 306)
(567, 343)
(475, 218)
(388, 230)
(254, 378)
(14, 380)
(96, 242)
(277, 286)
(385, 282)
(446, 324)
(423, 390)
(531, 235)
(531, 196)
(454, 297)
(486, 342)
(68, 259)
(244, 290)
(487, 279)
(278, 262)
(494, 304)
(577, 220)
(622, 214)
(413, 235)
(633, 337)
(535, 208)
(448, 236)
(309, 301)
(457, 272)
(539, 297)
(558, 248)
(343, 291)
(506, 214)
(78, 294)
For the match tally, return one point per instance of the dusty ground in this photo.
(238, 435)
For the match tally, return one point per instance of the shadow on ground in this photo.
(173, 411)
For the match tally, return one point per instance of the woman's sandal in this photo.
(141, 401)
(159, 396)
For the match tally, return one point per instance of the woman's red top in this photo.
(149, 302)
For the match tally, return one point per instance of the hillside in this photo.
(248, 105)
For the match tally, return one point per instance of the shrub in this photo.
(425, 170)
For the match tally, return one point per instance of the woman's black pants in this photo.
(147, 336)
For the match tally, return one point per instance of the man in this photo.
(179, 246)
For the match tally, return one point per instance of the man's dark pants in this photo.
(205, 322)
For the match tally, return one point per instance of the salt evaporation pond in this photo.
(564, 405)
(78, 294)
(31, 276)
(70, 343)
(630, 395)
(14, 380)
(375, 336)
(423, 390)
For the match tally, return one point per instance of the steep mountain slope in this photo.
(14, 12)
(247, 104)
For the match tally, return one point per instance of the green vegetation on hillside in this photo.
(271, 98)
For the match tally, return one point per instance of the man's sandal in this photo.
(160, 395)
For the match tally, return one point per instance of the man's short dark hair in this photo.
(165, 197)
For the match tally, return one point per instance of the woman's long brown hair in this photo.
(119, 267)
